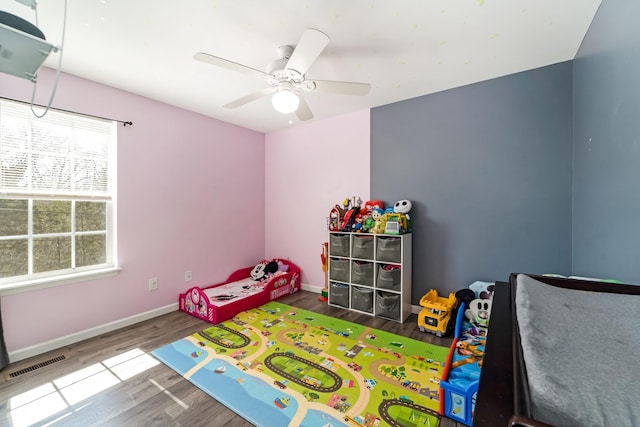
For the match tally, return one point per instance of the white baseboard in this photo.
(311, 288)
(34, 350)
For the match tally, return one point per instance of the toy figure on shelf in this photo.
(350, 216)
(357, 226)
(380, 221)
(397, 222)
(402, 207)
(370, 205)
(364, 221)
(368, 224)
(335, 218)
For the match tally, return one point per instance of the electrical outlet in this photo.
(153, 284)
(188, 276)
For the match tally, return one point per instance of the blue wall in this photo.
(488, 168)
(606, 204)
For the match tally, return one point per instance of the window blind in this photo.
(61, 154)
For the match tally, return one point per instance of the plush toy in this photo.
(370, 205)
(478, 308)
(368, 224)
(357, 225)
(375, 225)
(479, 312)
(402, 207)
(483, 290)
(263, 269)
(380, 224)
(376, 213)
(282, 267)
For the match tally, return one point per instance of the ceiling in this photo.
(402, 48)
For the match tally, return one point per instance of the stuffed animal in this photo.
(370, 205)
(282, 267)
(479, 312)
(483, 290)
(380, 221)
(478, 307)
(402, 207)
(398, 221)
(263, 269)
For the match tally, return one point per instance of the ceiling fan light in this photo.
(285, 101)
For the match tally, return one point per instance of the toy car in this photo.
(436, 315)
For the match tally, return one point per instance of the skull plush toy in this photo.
(403, 207)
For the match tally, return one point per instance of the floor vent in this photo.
(32, 368)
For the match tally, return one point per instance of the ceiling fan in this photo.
(286, 76)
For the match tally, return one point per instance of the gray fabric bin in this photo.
(362, 299)
(339, 269)
(388, 249)
(389, 279)
(339, 244)
(362, 273)
(388, 305)
(363, 247)
(339, 294)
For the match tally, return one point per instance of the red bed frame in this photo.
(197, 303)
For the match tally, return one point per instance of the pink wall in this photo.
(190, 197)
(310, 168)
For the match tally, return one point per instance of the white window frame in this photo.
(33, 281)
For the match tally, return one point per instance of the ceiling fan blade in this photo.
(311, 44)
(343, 88)
(303, 112)
(229, 65)
(249, 98)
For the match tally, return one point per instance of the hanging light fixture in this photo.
(23, 48)
(285, 101)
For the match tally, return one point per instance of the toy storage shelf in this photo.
(371, 273)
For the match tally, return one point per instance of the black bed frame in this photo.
(503, 398)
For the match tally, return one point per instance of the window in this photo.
(57, 195)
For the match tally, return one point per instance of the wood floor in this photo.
(154, 396)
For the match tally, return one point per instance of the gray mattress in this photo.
(582, 354)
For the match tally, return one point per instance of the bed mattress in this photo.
(580, 350)
(230, 292)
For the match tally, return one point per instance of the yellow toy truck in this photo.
(436, 315)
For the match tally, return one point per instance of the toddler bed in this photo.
(561, 352)
(461, 374)
(240, 292)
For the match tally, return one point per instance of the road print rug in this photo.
(278, 365)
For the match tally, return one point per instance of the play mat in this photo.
(280, 365)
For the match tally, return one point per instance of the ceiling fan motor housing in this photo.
(278, 68)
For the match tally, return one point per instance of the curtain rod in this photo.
(124, 123)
